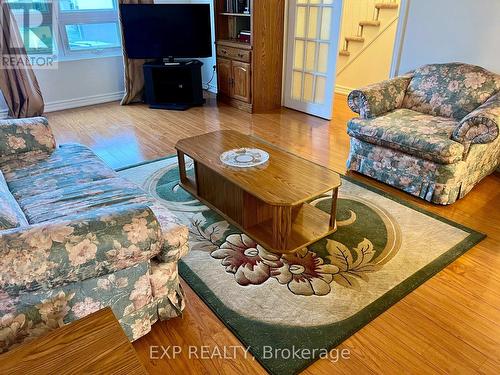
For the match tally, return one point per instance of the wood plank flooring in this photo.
(451, 324)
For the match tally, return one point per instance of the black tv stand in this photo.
(173, 85)
(169, 61)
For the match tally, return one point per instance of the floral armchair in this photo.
(432, 133)
(75, 237)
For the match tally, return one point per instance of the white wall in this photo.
(81, 82)
(450, 30)
(98, 80)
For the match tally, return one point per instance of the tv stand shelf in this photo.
(173, 85)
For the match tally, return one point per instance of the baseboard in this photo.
(59, 105)
(211, 88)
(343, 90)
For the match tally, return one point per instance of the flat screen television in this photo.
(161, 31)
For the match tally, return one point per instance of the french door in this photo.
(312, 49)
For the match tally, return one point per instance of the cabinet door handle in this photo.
(241, 55)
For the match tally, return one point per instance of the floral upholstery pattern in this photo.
(481, 125)
(450, 90)
(379, 98)
(437, 142)
(434, 182)
(11, 215)
(412, 132)
(52, 254)
(70, 181)
(129, 293)
(89, 239)
(68, 165)
(25, 135)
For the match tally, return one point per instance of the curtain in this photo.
(134, 76)
(18, 82)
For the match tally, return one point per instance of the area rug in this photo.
(291, 310)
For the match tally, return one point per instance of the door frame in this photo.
(397, 51)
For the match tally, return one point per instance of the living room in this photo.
(249, 186)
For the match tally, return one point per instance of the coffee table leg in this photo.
(333, 212)
(282, 226)
(182, 166)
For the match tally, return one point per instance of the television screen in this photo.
(156, 31)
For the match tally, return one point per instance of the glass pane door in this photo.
(313, 33)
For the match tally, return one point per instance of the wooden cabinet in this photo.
(241, 81)
(250, 70)
(224, 76)
(234, 53)
(234, 79)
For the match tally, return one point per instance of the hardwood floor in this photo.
(451, 324)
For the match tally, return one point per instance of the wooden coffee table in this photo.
(269, 202)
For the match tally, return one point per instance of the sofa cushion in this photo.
(80, 198)
(25, 135)
(71, 180)
(450, 90)
(11, 215)
(66, 166)
(414, 133)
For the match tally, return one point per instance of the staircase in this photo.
(359, 31)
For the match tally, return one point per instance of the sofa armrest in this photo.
(175, 234)
(18, 136)
(481, 125)
(379, 98)
(53, 254)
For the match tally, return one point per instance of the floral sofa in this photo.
(432, 133)
(75, 237)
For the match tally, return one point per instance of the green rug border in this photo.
(357, 321)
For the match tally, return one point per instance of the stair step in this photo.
(386, 5)
(369, 23)
(359, 39)
(344, 52)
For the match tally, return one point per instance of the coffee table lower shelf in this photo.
(307, 224)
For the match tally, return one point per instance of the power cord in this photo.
(211, 78)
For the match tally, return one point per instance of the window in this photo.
(88, 27)
(81, 27)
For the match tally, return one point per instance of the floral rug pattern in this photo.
(343, 258)
(304, 273)
(316, 298)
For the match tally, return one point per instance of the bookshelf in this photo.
(249, 43)
(237, 6)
